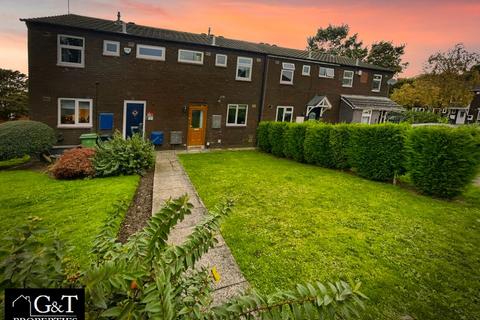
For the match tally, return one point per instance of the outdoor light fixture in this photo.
(185, 109)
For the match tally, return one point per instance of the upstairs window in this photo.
(347, 80)
(190, 56)
(71, 51)
(325, 72)
(74, 113)
(305, 70)
(244, 69)
(111, 48)
(377, 82)
(286, 76)
(284, 114)
(237, 115)
(150, 52)
(221, 60)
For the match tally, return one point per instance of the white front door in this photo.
(461, 115)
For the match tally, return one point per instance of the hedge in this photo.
(340, 145)
(377, 152)
(442, 161)
(24, 137)
(276, 132)
(317, 149)
(263, 141)
(294, 138)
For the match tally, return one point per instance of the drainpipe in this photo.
(264, 88)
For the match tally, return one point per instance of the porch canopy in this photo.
(317, 106)
(371, 103)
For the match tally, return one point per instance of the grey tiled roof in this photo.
(89, 23)
(370, 102)
(315, 100)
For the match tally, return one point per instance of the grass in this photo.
(75, 209)
(14, 162)
(294, 222)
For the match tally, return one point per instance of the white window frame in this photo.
(345, 72)
(109, 53)
(189, 61)
(306, 73)
(59, 52)
(478, 116)
(148, 57)
(236, 115)
(286, 109)
(377, 78)
(326, 75)
(217, 64)
(244, 65)
(76, 124)
(287, 67)
(366, 113)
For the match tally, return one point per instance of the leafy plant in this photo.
(340, 145)
(293, 141)
(120, 156)
(263, 141)
(317, 146)
(74, 163)
(276, 131)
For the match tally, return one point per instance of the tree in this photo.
(386, 54)
(420, 92)
(454, 61)
(336, 40)
(13, 93)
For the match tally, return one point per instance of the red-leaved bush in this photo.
(74, 163)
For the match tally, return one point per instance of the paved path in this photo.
(171, 181)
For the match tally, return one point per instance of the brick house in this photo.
(88, 74)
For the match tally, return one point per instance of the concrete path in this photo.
(171, 181)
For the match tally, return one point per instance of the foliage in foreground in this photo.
(13, 94)
(120, 156)
(74, 163)
(147, 278)
(14, 162)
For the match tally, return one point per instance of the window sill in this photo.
(344, 86)
(326, 77)
(191, 62)
(287, 83)
(243, 79)
(74, 126)
(150, 58)
(107, 54)
(375, 90)
(236, 125)
(221, 65)
(68, 65)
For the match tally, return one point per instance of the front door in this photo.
(461, 115)
(197, 123)
(134, 114)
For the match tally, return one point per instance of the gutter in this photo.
(264, 88)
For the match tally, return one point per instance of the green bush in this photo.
(443, 160)
(377, 152)
(340, 145)
(422, 117)
(276, 131)
(263, 141)
(294, 139)
(317, 149)
(24, 137)
(120, 156)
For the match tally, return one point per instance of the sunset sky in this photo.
(424, 26)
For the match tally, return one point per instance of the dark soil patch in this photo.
(140, 210)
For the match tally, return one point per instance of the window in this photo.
(244, 69)
(150, 52)
(347, 78)
(325, 72)
(189, 56)
(377, 82)
(237, 115)
(366, 116)
(305, 70)
(111, 48)
(284, 114)
(286, 76)
(74, 113)
(71, 51)
(221, 60)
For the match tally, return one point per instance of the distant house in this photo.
(88, 74)
(474, 110)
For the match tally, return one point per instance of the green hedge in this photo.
(317, 149)
(340, 145)
(293, 141)
(263, 141)
(443, 160)
(276, 131)
(377, 152)
(24, 137)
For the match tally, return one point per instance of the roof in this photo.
(476, 89)
(370, 102)
(103, 25)
(315, 101)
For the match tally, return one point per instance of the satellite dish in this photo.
(392, 82)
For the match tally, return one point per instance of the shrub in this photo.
(422, 117)
(340, 145)
(74, 163)
(24, 137)
(276, 131)
(263, 141)
(317, 149)
(294, 139)
(443, 160)
(120, 156)
(377, 152)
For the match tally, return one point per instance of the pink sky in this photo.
(424, 26)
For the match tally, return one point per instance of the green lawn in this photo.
(75, 209)
(293, 222)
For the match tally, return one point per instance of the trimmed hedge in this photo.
(340, 145)
(276, 131)
(443, 160)
(317, 148)
(377, 152)
(294, 138)
(263, 141)
(24, 137)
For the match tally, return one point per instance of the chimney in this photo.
(208, 31)
(118, 16)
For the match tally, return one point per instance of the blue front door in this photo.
(134, 121)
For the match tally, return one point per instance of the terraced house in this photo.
(95, 75)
